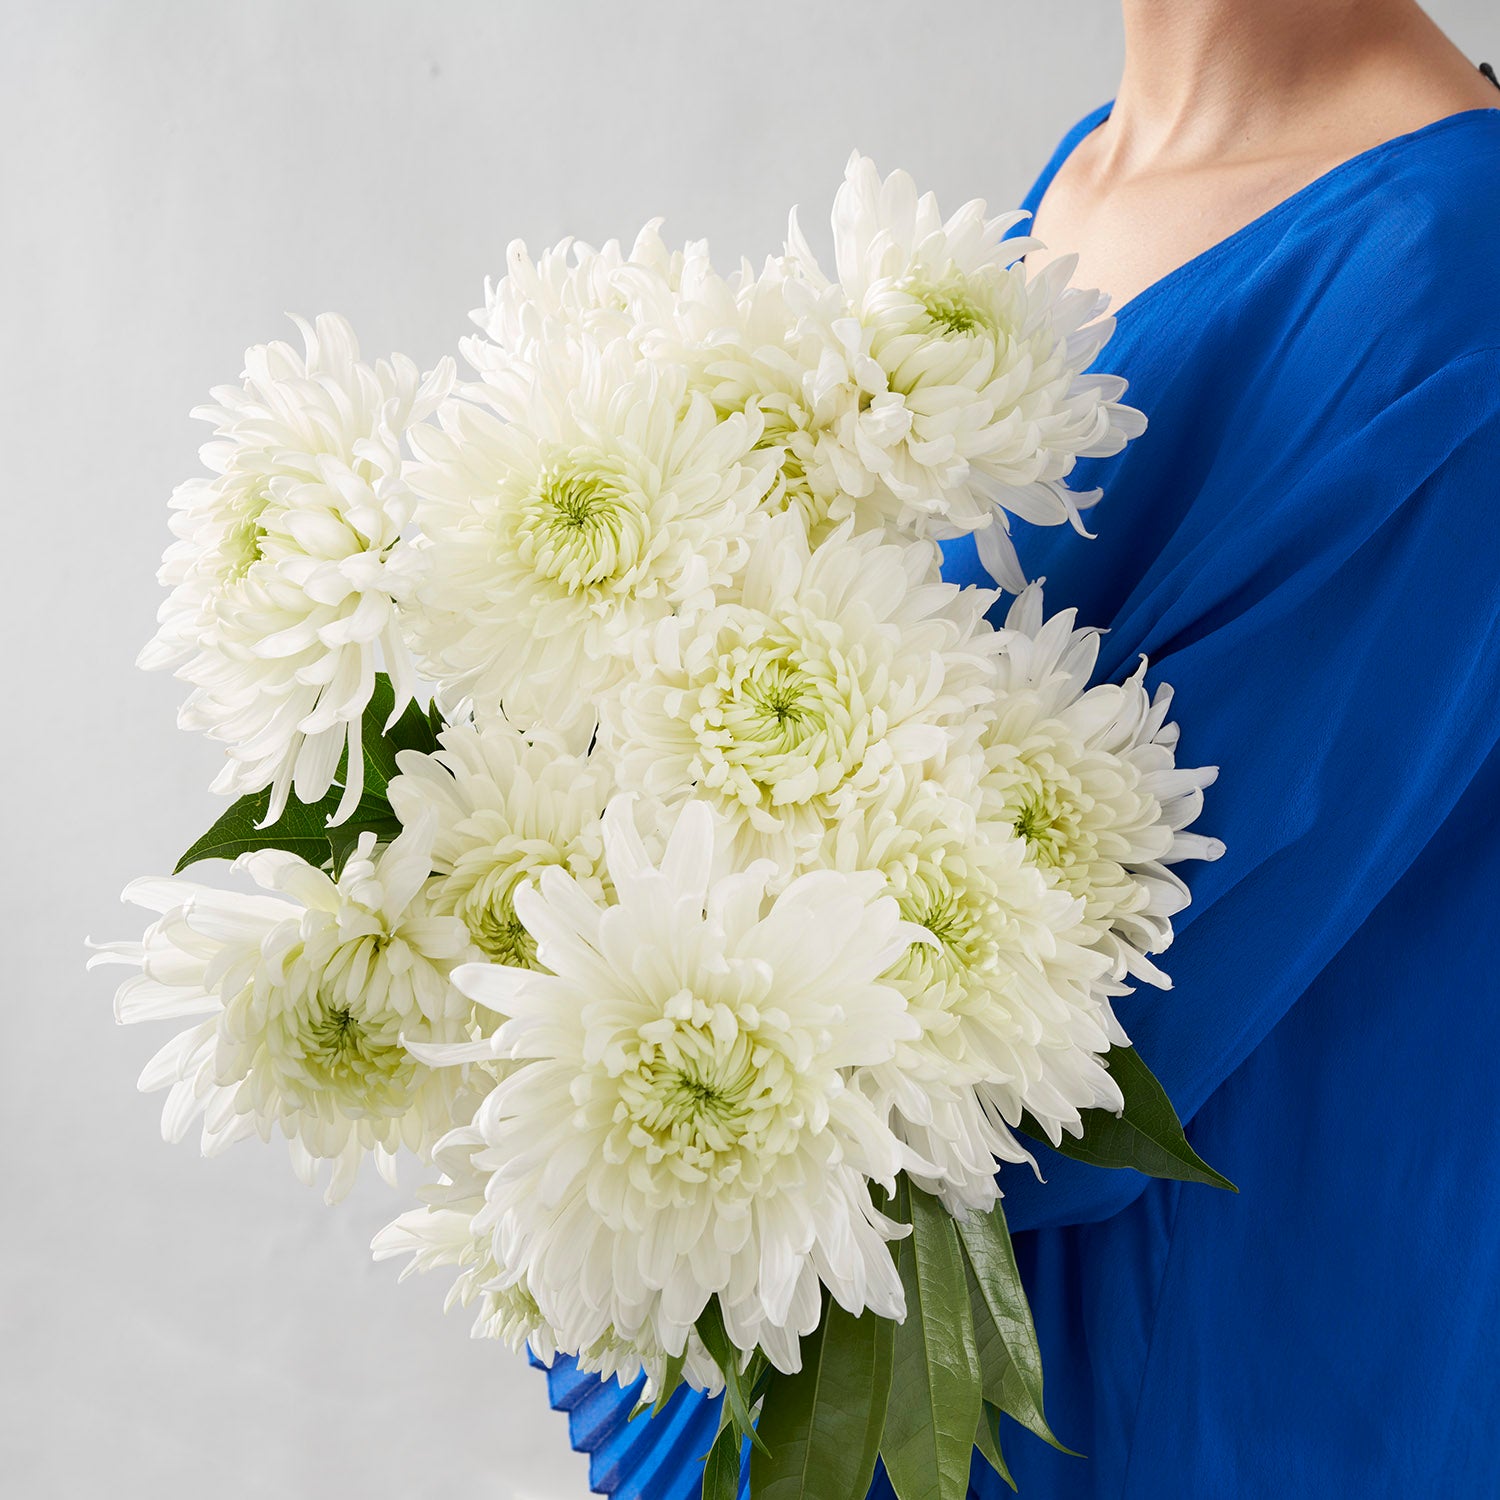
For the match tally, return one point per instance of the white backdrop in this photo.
(176, 176)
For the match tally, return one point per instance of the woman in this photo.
(1295, 205)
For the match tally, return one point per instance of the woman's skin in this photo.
(1227, 107)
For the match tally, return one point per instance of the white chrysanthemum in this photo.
(835, 670)
(442, 1234)
(306, 1006)
(507, 805)
(565, 515)
(1011, 999)
(753, 343)
(574, 295)
(284, 579)
(676, 1124)
(1087, 776)
(775, 361)
(976, 367)
(614, 1358)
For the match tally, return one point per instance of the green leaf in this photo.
(301, 829)
(823, 1424)
(372, 815)
(1003, 1329)
(759, 1374)
(1147, 1136)
(720, 1347)
(670, 1380)
(721, 1469)
(379, 746)
(987, 1440)
(935, 1399)
(417, 728)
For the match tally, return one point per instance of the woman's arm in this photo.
(1337, 652)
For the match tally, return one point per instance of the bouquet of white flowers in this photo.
(744, 897)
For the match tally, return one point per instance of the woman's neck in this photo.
(1229, 107)
(1208, 78)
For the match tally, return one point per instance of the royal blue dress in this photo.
(1306, 542)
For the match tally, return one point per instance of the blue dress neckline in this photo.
(1295, 202)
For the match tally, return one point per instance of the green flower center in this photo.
(577, 503)
(243, 549)
(954, 311)
(337, 1034)
(942, 919)
(1049, 821)
(351, 1058)
(501, 936)
(772, 710)
(585, 525)
(957, 912)
(701, 1098)
(687, 1097)
(481, 893)
(242, 544)
(778, 700)
(692, 1098)
(780, 714)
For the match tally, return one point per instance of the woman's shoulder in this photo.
(1402, 241)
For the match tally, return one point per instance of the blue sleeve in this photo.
(1333, 647)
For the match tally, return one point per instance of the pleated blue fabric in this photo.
(1305, 543)
(650, 1458)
